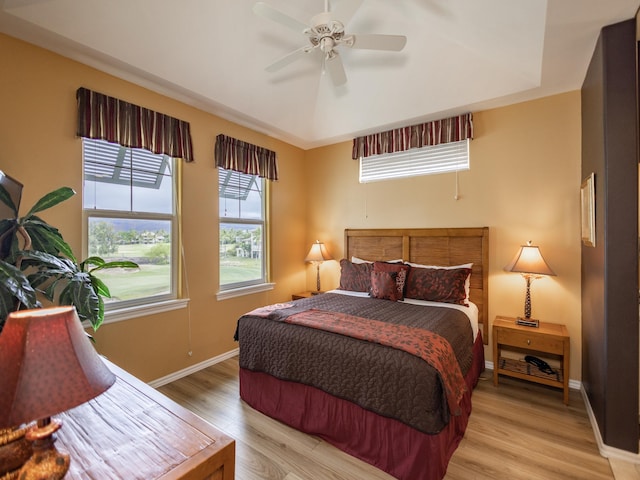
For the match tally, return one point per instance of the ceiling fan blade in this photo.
(345, 10)
(271, 13)
(21, 3)
(378, 42)
(288, 58)
(333, 65)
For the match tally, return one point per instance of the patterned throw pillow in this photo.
(384, 285)
(402, 271)
(355, 277)
(438, 284)
(467, 284)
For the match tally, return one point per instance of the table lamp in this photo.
(318, 254)
(529, 262)
(47, 366)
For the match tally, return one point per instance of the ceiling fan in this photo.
(325, 32)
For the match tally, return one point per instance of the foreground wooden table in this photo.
(134, 432)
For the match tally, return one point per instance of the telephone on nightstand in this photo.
(541, 364)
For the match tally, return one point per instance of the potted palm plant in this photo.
(36, 263)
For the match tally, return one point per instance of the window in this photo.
(429, 160)
(130, 214)
(242, 229)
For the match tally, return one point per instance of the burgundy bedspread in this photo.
(379, 378)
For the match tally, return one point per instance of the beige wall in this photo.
(38, 146)
(523, 184)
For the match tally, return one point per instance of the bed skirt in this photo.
(390, 445)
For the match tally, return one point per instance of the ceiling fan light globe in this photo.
(327, 44)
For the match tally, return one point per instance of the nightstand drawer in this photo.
(531, 341)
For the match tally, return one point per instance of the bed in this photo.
(385, 379)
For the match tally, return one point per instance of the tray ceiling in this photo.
(461, 55)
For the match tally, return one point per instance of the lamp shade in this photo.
(318, 253)
(529, 260)
(47, 365)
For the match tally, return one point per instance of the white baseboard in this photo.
(573, 384)
(193, 369)
(605, 450)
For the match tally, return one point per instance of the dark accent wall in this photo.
(610, 269)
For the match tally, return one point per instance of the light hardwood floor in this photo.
(517, 431)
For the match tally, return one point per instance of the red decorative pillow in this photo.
(384, 285)
(355, 277)
(400, 269)
(438, 284)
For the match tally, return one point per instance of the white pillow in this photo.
(464, 265)
(360, 260)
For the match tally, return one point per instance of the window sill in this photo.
(238, 292)
(122, 314)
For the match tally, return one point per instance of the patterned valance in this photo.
(447, 130)
(116, 121)
(233, 154)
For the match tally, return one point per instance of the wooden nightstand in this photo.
(549, 339)
(307, 294)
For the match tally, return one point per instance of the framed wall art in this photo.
(588, 211)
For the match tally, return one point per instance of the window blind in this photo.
(429, 160)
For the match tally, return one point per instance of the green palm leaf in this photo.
(116, 264)
(87, 262)
(14, 288)
(81, 294)
(46, 238)
(100, 287)
(51, 199)
(8, 201)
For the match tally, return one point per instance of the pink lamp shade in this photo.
(47, 365)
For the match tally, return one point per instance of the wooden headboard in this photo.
(430, 246)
